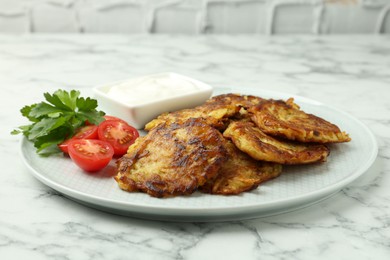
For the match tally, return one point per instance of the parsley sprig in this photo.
(57, 119)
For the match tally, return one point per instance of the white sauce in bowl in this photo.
(152, 88)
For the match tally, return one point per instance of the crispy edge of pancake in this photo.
(216, 118)
(172, 159)
(251, 140)
(240, 173)
(245, 101)
(181, 116)
(285, 119)
(215, 111)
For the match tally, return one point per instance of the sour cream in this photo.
(153, 88)
(139, 100)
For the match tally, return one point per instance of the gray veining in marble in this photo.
(351, 73)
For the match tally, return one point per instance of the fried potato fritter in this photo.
(184, 150)
(215, 111)
(251, 140)
(285, 119)
(240, 173)
(237, 100)
(214, 119)
(172, 159)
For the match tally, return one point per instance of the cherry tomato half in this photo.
(119, 134)
(107, 117)
(85, 132)
(90, 155)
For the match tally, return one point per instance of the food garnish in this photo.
(84, 132)
(91, 155)
(57, 119)
(119, 134)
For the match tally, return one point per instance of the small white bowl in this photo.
(149, 105)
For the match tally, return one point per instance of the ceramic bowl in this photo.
(148, 106)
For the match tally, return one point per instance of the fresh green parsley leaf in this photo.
(26, 112)
(57, 119)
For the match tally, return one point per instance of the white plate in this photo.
(298, 186)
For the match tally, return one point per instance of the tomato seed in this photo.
(125, 139)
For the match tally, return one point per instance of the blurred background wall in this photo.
(196, 16)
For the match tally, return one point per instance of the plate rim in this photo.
(220, 210)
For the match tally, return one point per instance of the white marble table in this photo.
(351, 73)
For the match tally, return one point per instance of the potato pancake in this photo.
(240, 173)
(172, 159)
(215, 119)
(237, 100)
(285, 119)
(251, 140)
(215, 111)
(185, 151)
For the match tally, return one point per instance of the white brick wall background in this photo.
(195, 16)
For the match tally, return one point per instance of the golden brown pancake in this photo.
(240, 173)
(172, 159)
(260, 146)
(215, 111)
(184, 151)
(245, 101)
(215, 119)
(285, 119)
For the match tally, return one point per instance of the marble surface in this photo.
(196, 16)
(351, 73)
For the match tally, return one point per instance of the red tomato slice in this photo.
(119, 134)
(90, 155)
(107, 117)
(64, 146)
(85, 132)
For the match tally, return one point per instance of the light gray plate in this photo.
(297, 187)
